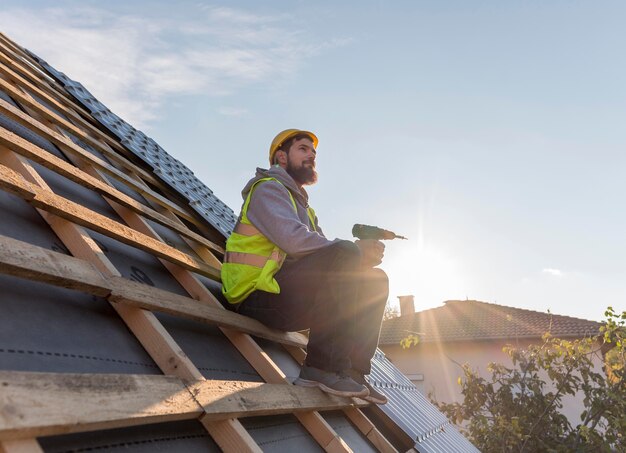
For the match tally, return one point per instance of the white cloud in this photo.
(133, 64)
(237, 16)
(555, 272)
(232, 111)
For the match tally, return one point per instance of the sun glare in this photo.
(429, 272)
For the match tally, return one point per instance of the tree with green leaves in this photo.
(518, 408)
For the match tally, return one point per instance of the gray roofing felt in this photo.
(170, 170)
(36, 339)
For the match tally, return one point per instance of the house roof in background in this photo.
(470, 320)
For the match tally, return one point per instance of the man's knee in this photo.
(346, 251)
(377, 275)
(377, 284)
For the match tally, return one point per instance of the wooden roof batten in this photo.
(42, 404)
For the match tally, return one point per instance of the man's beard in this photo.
(304, 175)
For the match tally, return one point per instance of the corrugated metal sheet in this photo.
(413, 413)
(170, 170)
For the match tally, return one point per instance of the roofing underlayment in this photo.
(112, 335)
(472, 320)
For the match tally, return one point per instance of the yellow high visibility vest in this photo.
(251, 260)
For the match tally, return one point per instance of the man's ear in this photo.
(281, 157)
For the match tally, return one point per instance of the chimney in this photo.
(407, 305)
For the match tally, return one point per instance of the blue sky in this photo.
(491, 133)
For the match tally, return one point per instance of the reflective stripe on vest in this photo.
(246, 230)
(251, 259)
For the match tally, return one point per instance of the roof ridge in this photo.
(466, 320)
(493, 304)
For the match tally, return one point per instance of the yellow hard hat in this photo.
(286, 135)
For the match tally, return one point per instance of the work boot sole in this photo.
(376, 399)
(374, 395)
(306, 383)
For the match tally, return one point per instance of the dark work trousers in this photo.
(329, 293)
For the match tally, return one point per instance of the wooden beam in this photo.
(143, 296)
(20, 446)
(187, 280)
(50, 115)
(400, 435)
(45, 92)
(15, 184)
(44, 404)
(231, 436)
(20, 55)
(78, 214)
(68, 146)
(31, 262)
(204, 228)
(50, 161)
(26, 64)
(237, 399)
(88, 218)
(369, 430)
(201, 249)
(28, 261)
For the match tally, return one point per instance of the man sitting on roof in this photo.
(280, 269)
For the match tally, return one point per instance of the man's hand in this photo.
(372, 252)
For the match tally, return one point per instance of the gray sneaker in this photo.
(330, 382)
(374, 395)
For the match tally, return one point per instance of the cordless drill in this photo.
(372, 232)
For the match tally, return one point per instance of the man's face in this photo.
(301, 162)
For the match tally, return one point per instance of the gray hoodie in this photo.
(272, 213)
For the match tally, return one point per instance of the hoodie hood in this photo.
(281, 175)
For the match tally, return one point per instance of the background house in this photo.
(473, 332)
